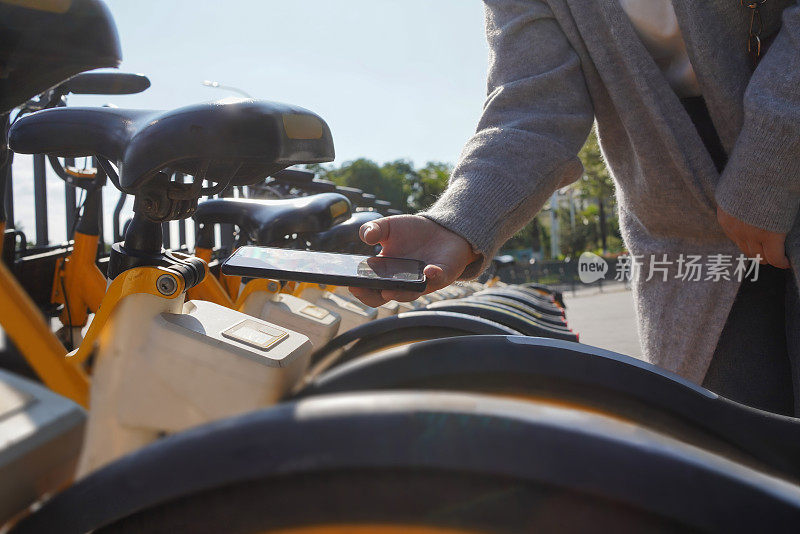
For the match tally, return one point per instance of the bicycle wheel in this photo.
(402, 329)
(576, 375)
(414, 460)
(504, 315)
(558, 322)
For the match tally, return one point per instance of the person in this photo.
(699, 122)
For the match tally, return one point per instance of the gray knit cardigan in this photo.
(557, 66)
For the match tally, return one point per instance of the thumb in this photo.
(374, 232)
(437, 277)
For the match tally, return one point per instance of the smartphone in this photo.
(374, 272)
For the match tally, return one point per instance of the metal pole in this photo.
(571, 210)
(69, 201)
(181, 178)
(226, 230)
(118, 218)
(9, 191)
(197, 233)
(166, 240)
(182, 233)
(6, 192)
(554, 248)
(40, 199)
(101, 219)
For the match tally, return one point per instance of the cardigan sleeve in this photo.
(535, 120)
(761, 182)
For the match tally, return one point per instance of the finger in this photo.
(375, 232)
(370, 297)
(400, 296)
(436, 278)
(726, 224)
(747, 247)
(775, 253)
(739, 241)
(750, 248)
(758, 254)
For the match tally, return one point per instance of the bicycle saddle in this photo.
(344, 237)
(104, 83)
(313, 186)
(232, 141)
(367, 200)
(383, 206)
(294, 176)
(266, 221)
(350, 192)
(44, 43)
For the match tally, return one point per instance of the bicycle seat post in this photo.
(143, 240)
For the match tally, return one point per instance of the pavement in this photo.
(604, 319)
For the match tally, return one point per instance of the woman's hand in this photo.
(445, 253)
(753, 241)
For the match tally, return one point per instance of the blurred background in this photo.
(394, 79)
(400, 82)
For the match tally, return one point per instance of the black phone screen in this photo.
(326, 268)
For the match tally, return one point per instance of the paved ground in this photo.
(604, 319)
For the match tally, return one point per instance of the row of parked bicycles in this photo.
(175, 398)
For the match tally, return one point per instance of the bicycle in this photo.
(396, 461)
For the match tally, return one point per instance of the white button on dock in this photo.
(255, 334)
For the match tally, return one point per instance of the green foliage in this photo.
(430, 183)
(580, 238)
(596, 226)
(596, 181)
(407, 188)
(385, 182)
(597, 186)
(529, 237)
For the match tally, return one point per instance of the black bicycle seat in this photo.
(44, 43)
(367, 200)
(104, 83)
(266, 221)
(313, 186)
(344, 237)
(294, 176)
(351, 193)
(235, 140)
(383, 206)
(500, 262)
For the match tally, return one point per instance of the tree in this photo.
(527, 238)
(431, 181)
(580, 237)
(407, 188)
(596, 184)
(388, 182)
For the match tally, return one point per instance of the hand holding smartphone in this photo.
(352, 270)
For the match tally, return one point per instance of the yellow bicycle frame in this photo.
(78, 283)
(24, 324)
(213, 290)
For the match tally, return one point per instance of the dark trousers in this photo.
(757, 359)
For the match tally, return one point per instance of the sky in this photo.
(393, 78)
